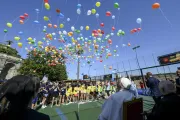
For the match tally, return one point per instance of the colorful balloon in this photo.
(102, 24)
(78, 11)
(68, 19)
(97, 15)
(108, 13)
(87, 27)
(47, 6)
(116, 5)
(58, 10)
(46, 18)
(155, 6)
(21, 21)
(93, 11)
(113, 17)
(61, 25)
(22, 17)
(139, 20)
(98, 4)
(9, 25)
(89, 12)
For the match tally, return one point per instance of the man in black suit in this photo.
(153, 84)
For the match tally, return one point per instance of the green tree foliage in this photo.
(42, 63)
(6, 49)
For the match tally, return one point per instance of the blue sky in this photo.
(157, 36)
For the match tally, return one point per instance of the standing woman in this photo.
(19, 92)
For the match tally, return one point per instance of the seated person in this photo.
(168, 107)
(113, 106)
(19, 92)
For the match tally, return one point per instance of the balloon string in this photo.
(26, 20)
(5, 36)
(118, 18)
(14, 20)
(165, 17)
(42, 5)
(76, 20)
(37, 16)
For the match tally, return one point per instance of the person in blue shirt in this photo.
(153, 84)
(112, 109)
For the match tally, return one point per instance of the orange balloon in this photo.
(21, 21)
(55, 26)
(99, 31)
(129, 44)
(155, 6)
(49, 25)
(58, 10)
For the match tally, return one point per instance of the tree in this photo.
(5, 49)
(42, 63)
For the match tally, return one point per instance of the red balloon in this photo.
(113, 28)
(46, 1)
(102, 24)
(108, 13)
(110, 41)
(22, 17)
(135, 30)
(139, 29)
(94, 31)
(95, 34)
(102, 32)
(101, 60)
(26, 15)
(132, 31)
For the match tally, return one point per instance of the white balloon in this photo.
(89, 12)
(113, 17)
(68, 19)
(54, 38)
(112, 34)
(119, 31)
(116, 46)
(78, 11)
(139, 20)
(86, 38)
(78, 38)
(53, 34)
(64, 32)
(72, 28)
(60, 32)
(118, 8)
(97, 15)
(45, 27)
(81, 28)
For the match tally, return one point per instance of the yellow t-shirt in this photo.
(88, 89)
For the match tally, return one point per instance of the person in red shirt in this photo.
(141, 84)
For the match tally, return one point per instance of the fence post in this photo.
(143, 78)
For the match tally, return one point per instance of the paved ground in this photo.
(87, 111)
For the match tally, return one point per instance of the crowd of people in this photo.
(20, 95)
(58, 93)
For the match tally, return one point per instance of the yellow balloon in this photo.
(61, 25)
(92, 34)
(20, 44)
(93, 11)
(46, 18)
(30, 38)
(29, 42)
(98, 4)
(87, 27)
(100, 35)
(9, 25)
(94, 41)
(17, 38)
(47, 6)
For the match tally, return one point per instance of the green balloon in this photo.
(118, 34)
(5, 31)
(116, 5)
(122, 33)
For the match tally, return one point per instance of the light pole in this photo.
(78, 69)
(134, 48)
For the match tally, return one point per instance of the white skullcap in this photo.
(167, 87)
(126, 83)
